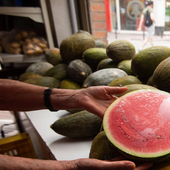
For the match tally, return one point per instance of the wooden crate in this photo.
(17, 145)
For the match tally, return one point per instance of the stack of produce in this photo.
(82, 61)
(23, 42)
(2, 36)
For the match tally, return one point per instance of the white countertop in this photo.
(61, 147)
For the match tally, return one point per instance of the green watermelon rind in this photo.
(160, 156)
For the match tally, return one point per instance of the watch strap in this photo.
(47, 99)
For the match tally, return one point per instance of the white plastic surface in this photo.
(61, 147)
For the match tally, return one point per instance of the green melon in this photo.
(44, 81)
(102, 148)
(93, 56)
(161, 75)
(28, 75)
(69, 84)
(145, 61)
(39, 68)
(103, 77)
(75, 110)
(106, 63)
(133, 87)
(161, 166)
(120, 50)
(82, 124)
(125, 80)
(137, 124)
(72, 47)
(78, 70)
(59, 71)
(53, 56)
(125, 65)
(100, 44)
(149, 81)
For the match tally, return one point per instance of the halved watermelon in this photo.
(138, 124)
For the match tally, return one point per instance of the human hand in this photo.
(95, 164)
(19, 163)
(96, 99)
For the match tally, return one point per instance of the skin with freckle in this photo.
(141, 119)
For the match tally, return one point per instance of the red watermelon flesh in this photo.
(138, 123)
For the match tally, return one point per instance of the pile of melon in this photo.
(137, 124)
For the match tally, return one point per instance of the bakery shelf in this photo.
(21, 58)
(31, 12)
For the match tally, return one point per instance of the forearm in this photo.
(19, 96)
(19, 163)
(15, 95)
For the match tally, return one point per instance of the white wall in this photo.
(159, 12)
(62, 21)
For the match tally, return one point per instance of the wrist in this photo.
(63, 99)
(47, 99)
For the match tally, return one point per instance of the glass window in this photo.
(167, 15)
(113, 14)
(130, 12)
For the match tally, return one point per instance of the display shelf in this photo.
(37, 14)
(21, 58)
(31, 12)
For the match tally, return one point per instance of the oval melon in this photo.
(69, 84)
(137, 124)
(125, 80)
(53, 56)
(161, 166)
(120, 50)
(81, 124)
(102, 148)
(145, 61)
(93, 56)
(39, 68)
(133, 87)
(161, 75)
(106, 63)
(78, 70)
(59, 71)
(28, 75)
(72, 47)
(44, 81)
(149, 81)
(100, 44)
(103, 77)
(125, 65)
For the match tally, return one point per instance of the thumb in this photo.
(116, 90)
(92, 164)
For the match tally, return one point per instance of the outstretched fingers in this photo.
(94, 164)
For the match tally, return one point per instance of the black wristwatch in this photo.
(47, 100)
